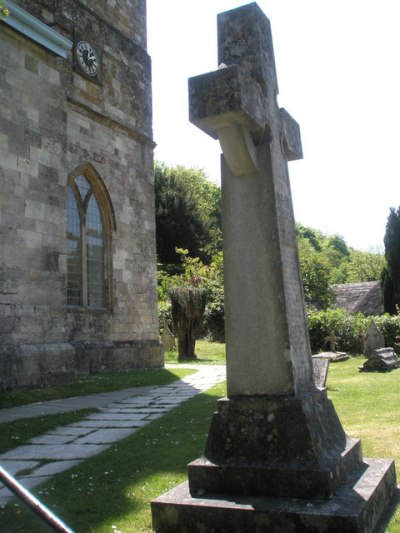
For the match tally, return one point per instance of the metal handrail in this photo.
(25, 496)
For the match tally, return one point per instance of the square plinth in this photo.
(357, 507)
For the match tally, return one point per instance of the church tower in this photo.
(77, 230)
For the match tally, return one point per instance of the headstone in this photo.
(167, 339)
(373, 340)
(381, 360)
(276, 457)
(320, 366)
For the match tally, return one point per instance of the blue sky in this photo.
(338, 64)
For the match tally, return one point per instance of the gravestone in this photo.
(167, 339)
(381, 360)
(320, 367)
(276, 458)
(373, 340)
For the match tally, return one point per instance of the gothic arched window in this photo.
(89, 220)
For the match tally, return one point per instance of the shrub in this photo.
(349, 330)
(389, 326)
(164, 314)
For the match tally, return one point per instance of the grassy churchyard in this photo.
(111, 491)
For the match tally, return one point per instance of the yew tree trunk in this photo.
(188, 304)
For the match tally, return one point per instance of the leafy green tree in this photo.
(391, 275)
(197, 274)
(364, 266)
(313, 236)
(315, 275)
(188, 213)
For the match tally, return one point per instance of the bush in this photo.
(349, 330)
(194, 273)
(164, 314)
(389, 326)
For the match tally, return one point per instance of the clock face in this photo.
(87, 58)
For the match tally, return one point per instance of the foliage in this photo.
(194, 273)
(365, 266)
(313, 236)
(315, 275)
(391, 276)
(329, 256)
(4, 11)
(389, 326)
(349, 330)
(164, 315)
(188, 213)
(188, 304)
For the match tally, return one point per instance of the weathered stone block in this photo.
(381, 360)
(356, 508)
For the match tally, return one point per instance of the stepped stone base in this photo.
(287, 446)
(356, 507)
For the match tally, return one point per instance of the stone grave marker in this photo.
(320, 367)
(373, 340)
(276, 457)
(332, 341)
(167, 339)
(381, 360)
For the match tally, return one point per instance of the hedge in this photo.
(349, 330)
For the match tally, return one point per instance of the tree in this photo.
(390, 280)
(188, 213)
(315, 275)
(188, 304)
(364, 266)
(313, 236)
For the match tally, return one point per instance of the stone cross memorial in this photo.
(276, 458)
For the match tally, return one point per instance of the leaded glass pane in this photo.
(74, 252)
(83, 186)
(95, 254)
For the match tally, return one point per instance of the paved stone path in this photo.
(122, 413)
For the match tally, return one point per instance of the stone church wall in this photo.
(55, 122)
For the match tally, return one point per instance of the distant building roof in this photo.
(363, 298)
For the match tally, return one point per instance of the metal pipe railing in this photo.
(26, 497)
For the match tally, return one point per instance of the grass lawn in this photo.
(92, 384)
(111, 492)
(368, 405)
(115, 487)
(212, 353)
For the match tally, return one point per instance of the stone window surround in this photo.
(107, 213)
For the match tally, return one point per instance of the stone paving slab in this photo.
(50, 469)
(13, 467)
(71, 430)
(134, 411)
(112, 423)
(106, 436)
(69, 404)
(54, 452)
(28, 483)
(55, 439)
(106, 415)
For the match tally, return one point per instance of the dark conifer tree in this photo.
(390, 280)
